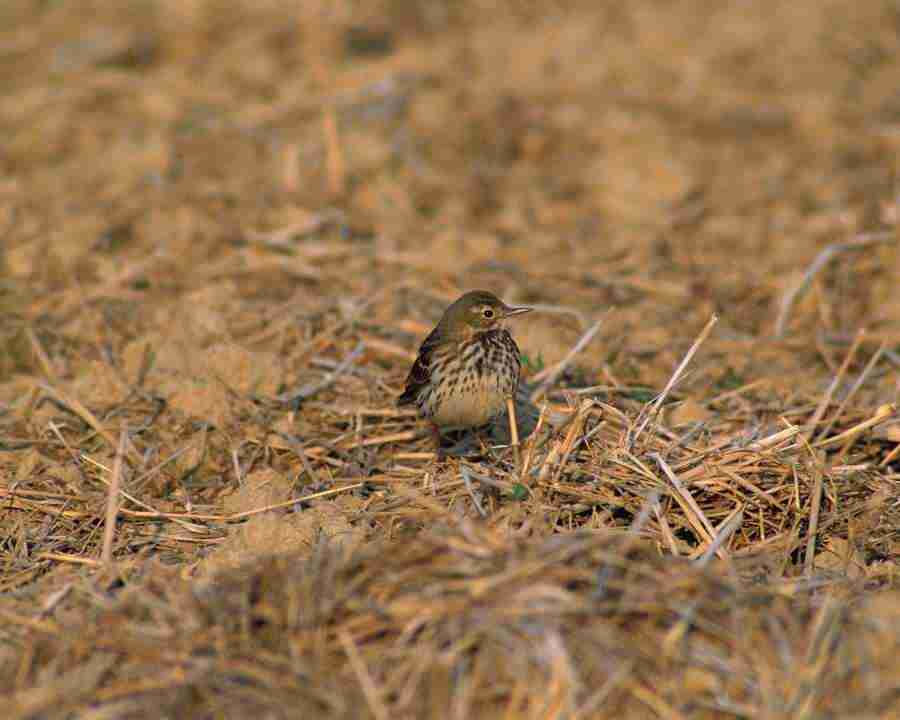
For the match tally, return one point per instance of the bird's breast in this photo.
(471, 382)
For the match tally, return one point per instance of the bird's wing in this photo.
(420, 371)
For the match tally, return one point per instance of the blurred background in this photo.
(669, 158)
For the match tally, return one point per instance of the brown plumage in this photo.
(468, 365)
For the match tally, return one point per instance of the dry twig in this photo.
(649, 411)
(112, 502)
(860, 242)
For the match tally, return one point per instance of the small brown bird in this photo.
(468, 365)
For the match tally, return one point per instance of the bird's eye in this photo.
(488, 313)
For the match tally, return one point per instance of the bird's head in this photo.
(478, 311)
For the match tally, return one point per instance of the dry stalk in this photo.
(728, 527)
(816, 498)
(649, 411)
(142, 479)
(836, 381)
(532, 442)
(666, 531)
(308, 391)
(890, 457)
(564, 449)
(549, 376)
(514, 433)
(74, 559)
(882, 414)
(692, 511)
(112, 500)
(820, 653)
(367, 683)
(75, 405)
(150, 511)
(43, 359)
(464, 473)
(860, 242)
(311, 472)
(873, 361)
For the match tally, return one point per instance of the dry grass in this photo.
(225, 227)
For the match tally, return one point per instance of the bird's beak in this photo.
(509, 312)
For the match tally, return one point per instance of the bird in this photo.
(468, 366)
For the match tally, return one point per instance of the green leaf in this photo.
(535, 365)
(730, 380)
(641, 395)
(519, 492)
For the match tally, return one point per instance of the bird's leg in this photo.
(436, 434)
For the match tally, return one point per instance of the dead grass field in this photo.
(225, 225)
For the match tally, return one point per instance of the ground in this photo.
(226, 225)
